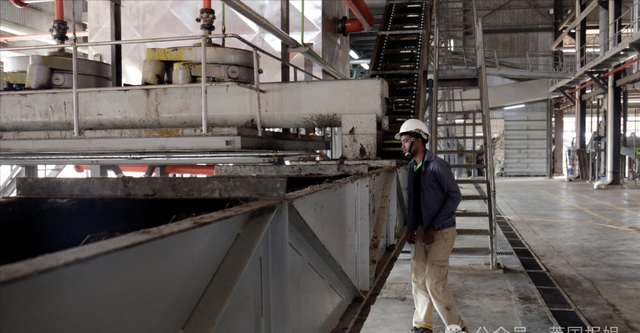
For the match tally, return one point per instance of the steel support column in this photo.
(617, 113)
(116, 50)
(284, 48)
(581, 106)
(617, 96)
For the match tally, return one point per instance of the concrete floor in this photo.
(588, 240)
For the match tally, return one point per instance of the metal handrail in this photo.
(203, 38)
(625, 32)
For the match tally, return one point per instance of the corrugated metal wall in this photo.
(525, 145)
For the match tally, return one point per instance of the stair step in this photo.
(459, 151)
(459, 124)
(472, 232)
(471, 250)
(459, 137)
(471, 214)
(383, 72)
(471, 181)
(471, 166)
(402, 50)
(474, 197)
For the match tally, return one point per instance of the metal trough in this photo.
(302, 259)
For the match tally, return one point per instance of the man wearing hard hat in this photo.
(433, 198)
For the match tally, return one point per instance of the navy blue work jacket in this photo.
(440, 194)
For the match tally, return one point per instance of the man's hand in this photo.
(429, 236)
(411, 237)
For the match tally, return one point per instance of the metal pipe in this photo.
(76, 112)
(364, 19)
(25, 3)
(610, 106)
(610, 129)
(59, 10)
(256, 82)
(16, 38)
(206, 4)
(203, 82)
(604, 29)
(262, 22)
(208, 170)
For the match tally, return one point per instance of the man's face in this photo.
(406, 144)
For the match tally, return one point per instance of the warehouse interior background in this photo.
(230, 166)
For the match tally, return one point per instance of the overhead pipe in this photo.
(206, 17)
(59, 10)
(262, 22)
(208, 170)
(364, 19)
(15, 38)
(59, 29)
(25, 3)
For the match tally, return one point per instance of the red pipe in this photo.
(206, 4)
(15, 38)
(208, 170)
(59, 10)
(18, 3)
(617, 69)
(364, 19)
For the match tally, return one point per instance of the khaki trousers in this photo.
(430, 269)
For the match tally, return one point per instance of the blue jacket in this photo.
(440, 194)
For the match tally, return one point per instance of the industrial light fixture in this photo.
(365, 66)
(511, 107)
(353, 54)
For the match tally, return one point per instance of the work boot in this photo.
(421, 330)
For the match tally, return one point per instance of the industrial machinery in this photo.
(183, 65)
(55, 69)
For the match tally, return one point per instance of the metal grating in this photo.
(562, 311)
(554, 298)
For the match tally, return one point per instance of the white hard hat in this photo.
(413, 126)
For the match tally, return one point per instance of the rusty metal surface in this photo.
(290, 170)
(213, 187)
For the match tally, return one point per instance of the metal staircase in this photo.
(460, 129)
(401, 57)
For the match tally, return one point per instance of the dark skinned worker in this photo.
(434, 196)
